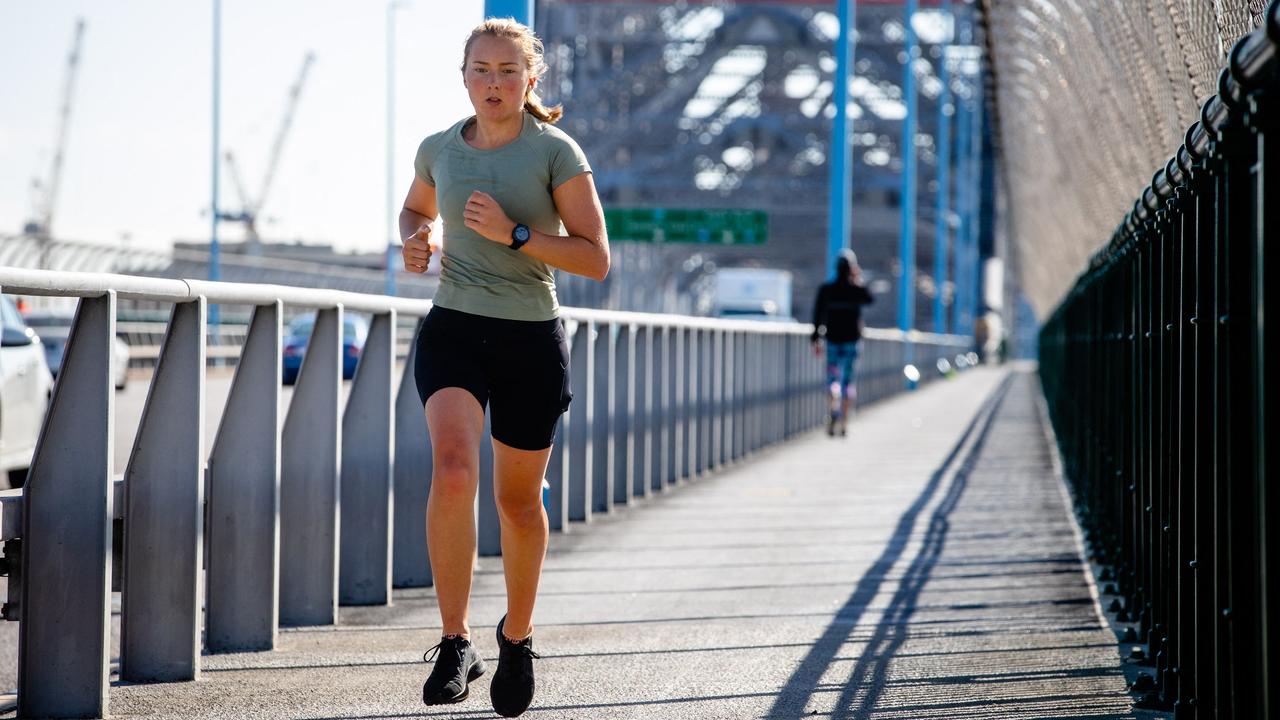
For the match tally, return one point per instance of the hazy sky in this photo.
(138, 150)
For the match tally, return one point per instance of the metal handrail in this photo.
(64, 284)
(660, 400)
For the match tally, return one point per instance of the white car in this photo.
(54, 328)
(25, 386)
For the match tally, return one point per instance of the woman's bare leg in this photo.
(517, 477)
(456, 422)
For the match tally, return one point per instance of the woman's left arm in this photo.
(584, 251)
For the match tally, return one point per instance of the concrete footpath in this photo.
(924, 567)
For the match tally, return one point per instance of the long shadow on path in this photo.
(799, 689)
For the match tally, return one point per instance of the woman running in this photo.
(837, 318)
(517, 198)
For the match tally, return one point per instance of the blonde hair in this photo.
(530, 48)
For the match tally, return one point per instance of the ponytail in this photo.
(533, 105)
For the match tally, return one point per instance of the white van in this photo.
(25, 387)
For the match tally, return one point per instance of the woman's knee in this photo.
(454, 476)
(520, 510)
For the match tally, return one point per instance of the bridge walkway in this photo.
(924, 567)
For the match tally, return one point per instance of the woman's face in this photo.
(496, 77)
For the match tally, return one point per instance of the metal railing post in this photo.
(161, 597)
(1264, 121)
(623, 416)
(725, 446)
(686, 438)
(310, 461)
(581, 411)
(673, 415)
(717, 406)
(243, 499)
(603, 390)
(663, 378)
(412, 469)
(645, 413)
(558, 475)
(740, 397)
(368, 467)
(706, 410)
(64, 634)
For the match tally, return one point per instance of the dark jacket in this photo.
(837, 313)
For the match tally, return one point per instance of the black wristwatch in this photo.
(519, 236)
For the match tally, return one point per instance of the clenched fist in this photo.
(484, 215)
(416, 250)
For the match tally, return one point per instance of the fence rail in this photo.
(660, 400)
(1154, 368)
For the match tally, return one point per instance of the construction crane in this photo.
(45, 195)
(251, 208)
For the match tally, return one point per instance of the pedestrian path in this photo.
(924, 567)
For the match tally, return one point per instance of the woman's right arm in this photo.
(416, 216)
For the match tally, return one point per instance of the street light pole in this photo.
(214, 273)
(392, 215)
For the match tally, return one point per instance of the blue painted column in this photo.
(942, 220)
(976, 197)
(963, 192)
(841, 182)
(521, 10)
(907, 233)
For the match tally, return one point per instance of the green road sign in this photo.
(707, 227)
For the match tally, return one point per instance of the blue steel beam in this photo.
(976, 161)
(521, 10)
(963, 192)
(941, 223)
(841, 182)
(907, 235)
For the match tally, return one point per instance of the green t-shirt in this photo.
(480, 276)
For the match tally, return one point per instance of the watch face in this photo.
(521, 233)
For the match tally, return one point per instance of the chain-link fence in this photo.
(1091, 96)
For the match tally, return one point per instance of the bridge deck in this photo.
(924, 567)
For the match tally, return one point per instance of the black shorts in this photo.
(519, 368)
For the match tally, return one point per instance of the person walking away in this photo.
(517, 198)
(837, 321)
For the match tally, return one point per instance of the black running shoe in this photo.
(457, 664)
(512, 687)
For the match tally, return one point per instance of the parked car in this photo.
(55, 327)
(25, 387)
(354, 331)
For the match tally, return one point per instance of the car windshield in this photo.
(49, 320)
(301, 327)
(10, 319)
